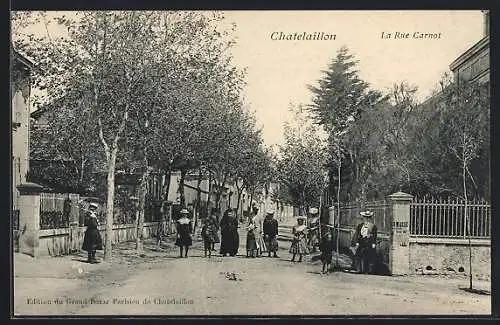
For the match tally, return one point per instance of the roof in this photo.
(471, 52)
(22, 59)
(39, 112)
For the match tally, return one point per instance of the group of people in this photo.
(261, 237)
(228, 227)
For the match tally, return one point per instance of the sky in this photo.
(278, 71)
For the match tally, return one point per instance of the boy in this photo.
(326, 248)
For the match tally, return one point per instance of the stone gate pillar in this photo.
(399, 253)
(29, 218)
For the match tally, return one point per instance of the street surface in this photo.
(160, 283)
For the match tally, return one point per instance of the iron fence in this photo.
(56, 209)
(431, 217)
(349, 214)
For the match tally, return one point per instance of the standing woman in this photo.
(299, 242)
(313, 224)
(92, 240)
(230, 240)
(251, 242)
(259, 239)
(270, 230)
(184, 230)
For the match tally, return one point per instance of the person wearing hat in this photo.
(313, 229)
(184, 230)
(299, 243)
(230, 239)
(259, 239)
(92, 240)
(270, 230)
(251, 239)
(364, 242)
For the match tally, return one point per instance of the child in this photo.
(299, 242)
(251, 240)
(209, 233)
(161, 232)
(326, 248)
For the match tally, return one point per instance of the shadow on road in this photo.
(313, 272)
(476, 291)
(83, 260)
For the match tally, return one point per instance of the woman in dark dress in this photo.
(230, 240)
(184, 230)
(92, 241)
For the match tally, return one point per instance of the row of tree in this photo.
(143, 92)
(378, 143)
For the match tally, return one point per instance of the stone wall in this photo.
(63, 241)
(446, 255)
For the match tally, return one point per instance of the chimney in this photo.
(486, 23)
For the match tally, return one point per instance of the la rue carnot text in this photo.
(413, 35)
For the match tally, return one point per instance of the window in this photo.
(474, 68)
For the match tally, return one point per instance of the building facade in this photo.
(20, 96)
(474, 64)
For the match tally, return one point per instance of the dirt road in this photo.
(159, 283)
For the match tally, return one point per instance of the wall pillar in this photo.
(29, 218)
(399, 253)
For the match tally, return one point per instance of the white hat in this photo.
(367, 214)
(184, 211)
(270, 211)
(301, 218)
(313, 210)
(93, 205)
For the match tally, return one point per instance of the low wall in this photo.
(445, 255)
(63, 241)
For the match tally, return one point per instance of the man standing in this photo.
(92, 240)
(365, 240)
(270, 230)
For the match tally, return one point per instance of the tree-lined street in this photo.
(262, 286)
(144, 118)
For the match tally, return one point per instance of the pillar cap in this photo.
(400, 196)
(29, 188)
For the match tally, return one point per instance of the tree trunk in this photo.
(142, 208)
(209, 196)
(337, 219)
(181, 188)
(110, 202)
(198, 200)
(466, 216)
(251, 200)
(362, 197)
(240, 192)
(168, 178)
(218, 194)
(82, 167)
